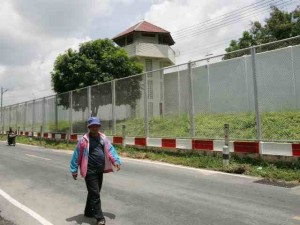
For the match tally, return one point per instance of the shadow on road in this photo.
(109, 215)
(81, 219)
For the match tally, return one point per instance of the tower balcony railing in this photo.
(151, 50)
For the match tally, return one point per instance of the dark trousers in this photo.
(93, 182)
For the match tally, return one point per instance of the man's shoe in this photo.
(101, 221)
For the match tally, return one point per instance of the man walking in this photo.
(95, 155)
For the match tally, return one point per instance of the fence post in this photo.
(41, 135)
(191, 99)
(146, 105)
(123, 137)
(226, 150)
(9, 121)
(3, 122)
(179, 91)
(44, 117)
(258, 119)
(89, 92)
(226, 133)
(114, 107)
(71, 112)
(246, 82)
(68, 137)
(33, 117)
(2, 115)
(162, 100)
(56, 113)
(17, 117)
(208, 85)
(2, 125)
(294, 78)
(25, 117)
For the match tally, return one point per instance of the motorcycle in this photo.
(11, 139)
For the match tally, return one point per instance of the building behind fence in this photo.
(257, 93)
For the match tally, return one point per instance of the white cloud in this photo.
(30, 42)
(33, 80)
(2, 69)
(60, 18)
(34, 32)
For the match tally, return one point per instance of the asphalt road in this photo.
(141, 193)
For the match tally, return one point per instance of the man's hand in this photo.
(74, 175)
(117, 166)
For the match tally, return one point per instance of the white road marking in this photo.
(34, 156)
(70, 152)
(204, 171)
(25, 208)
(296, 217)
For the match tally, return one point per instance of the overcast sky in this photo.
(34, 32)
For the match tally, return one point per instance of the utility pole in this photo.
(2, 116)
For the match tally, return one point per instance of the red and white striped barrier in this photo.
(265, 148)
(254, 147)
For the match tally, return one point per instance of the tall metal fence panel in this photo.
(21, 116)
(256, 91)
(50, 114)
(176, 104)
(6, 117)
(129, 105)
(278, 78)
(296, 69)
(13, 116)
(62, 123)
(221, 95)
(159, 106)
(102, 105)
(38, 115)
(29, 116)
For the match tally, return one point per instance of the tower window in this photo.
(148, 35)
(129, 39)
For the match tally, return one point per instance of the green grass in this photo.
(278, 170)
(275, 126)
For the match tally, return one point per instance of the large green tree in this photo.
(280, 25)
(96, 62)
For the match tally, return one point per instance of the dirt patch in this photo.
(278, 183)
(237, 169)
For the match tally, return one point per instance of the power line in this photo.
(233, 20)
(228, 21)
(222, 17)
(212, 44)
(208, 47)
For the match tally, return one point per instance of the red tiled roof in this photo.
(143, 26)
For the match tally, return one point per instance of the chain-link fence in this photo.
(223, 93)
(256, 91)
(129, 105)
(278, 89)
(101, 103)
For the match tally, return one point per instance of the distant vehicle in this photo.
(11, 138)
